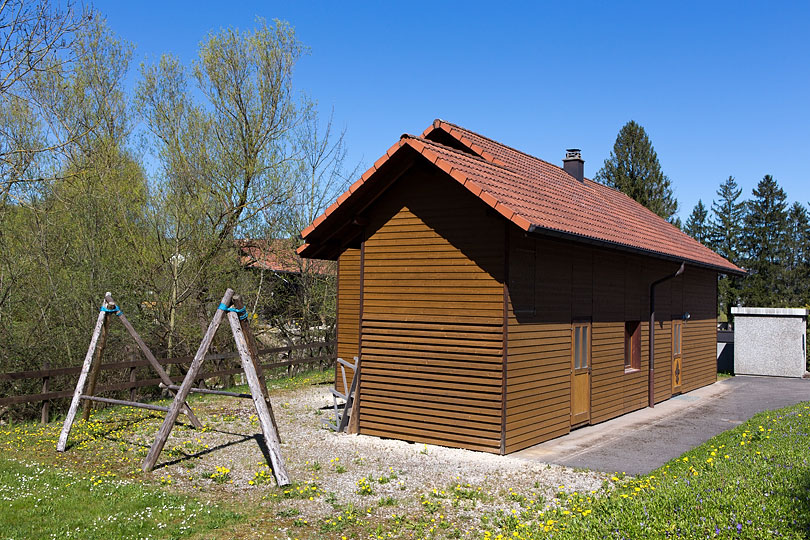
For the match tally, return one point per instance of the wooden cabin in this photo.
(496, 301)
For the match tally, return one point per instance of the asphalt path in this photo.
(641, 441)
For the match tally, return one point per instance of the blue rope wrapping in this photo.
(241, 312)
(117, 310)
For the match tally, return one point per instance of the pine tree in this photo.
(725, 230)
(633, 169)
(765, 245)
(697, 226)
(797, 254)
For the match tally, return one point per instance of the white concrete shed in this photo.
(770, 341)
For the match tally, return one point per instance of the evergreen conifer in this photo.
(633, 169)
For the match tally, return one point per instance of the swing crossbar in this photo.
(214, 392)
(126, 403)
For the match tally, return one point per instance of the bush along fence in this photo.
(59, 383)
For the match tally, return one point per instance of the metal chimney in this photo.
(573, 164)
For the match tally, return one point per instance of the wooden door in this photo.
(677, 355)
(580, 373)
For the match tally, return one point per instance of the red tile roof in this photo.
(277, 255)
(537, 196)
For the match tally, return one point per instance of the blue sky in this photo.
(723, 88)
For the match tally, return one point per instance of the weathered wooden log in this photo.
(254, 357)
(94, 371)
(213, 392)
(74, 403)
(185, 388)
(125, 403)
(271, 437)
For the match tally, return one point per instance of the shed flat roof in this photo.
(769, 312)
(534, 194)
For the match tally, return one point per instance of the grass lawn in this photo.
(751, 482)
(42, 502)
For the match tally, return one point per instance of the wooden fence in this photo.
(319, 352)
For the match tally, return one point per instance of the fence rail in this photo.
(131, 384)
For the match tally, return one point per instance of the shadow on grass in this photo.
(205, 452)
(117, 425)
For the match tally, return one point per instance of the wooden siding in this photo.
(432, 332)
(539, 344)
(575, 282)
(348, 313)
(700, 331)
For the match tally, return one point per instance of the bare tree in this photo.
(302, 303)
(37, 40)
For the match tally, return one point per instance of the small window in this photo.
(632, 345)
(677, 337)
(581, 345)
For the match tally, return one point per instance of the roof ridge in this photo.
(591, 180)
(504, 145)
(494, 164)
(457, 151)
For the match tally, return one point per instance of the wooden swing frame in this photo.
(230, 306)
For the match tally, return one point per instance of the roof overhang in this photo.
(542, 231)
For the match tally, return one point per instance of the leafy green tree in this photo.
(224, 164)
(633, 169)
(38, 39)
(73, 239)
(302, 305)
(697, 226)
(764, 245)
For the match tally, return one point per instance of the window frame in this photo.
(677, 337)
(581, 328)
(632, 364)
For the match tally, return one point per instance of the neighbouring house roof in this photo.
(535, 195)
(277, 255)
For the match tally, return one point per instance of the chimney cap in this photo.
(573, 153)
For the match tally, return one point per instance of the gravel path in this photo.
(398, 474)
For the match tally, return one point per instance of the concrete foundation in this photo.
(770, 341)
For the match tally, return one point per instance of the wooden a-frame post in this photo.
(96, 367)
(91, 368)
(250, 365)
(254, 357)
(88, 360)
(253, 374)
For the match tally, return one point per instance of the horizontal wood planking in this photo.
(432, 319)
(608, 288)
(539, 344)
(348, 313)
(431, 437)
